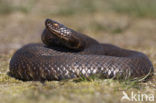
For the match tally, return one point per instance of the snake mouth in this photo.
(58, 29)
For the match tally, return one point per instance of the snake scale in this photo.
(66, 54)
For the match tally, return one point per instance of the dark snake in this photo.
(68, 54)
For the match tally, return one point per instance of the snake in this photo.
(67, 54)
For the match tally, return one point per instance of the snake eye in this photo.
(56, 25)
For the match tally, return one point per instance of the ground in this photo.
(129, 24)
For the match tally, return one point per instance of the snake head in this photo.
(58, 29)
(66, 36)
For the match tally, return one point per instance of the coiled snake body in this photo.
(68, 54)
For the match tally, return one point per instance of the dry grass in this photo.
(106, 20)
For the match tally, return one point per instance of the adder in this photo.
(67, 54)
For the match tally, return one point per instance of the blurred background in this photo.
(129, 24)
(121, 22)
